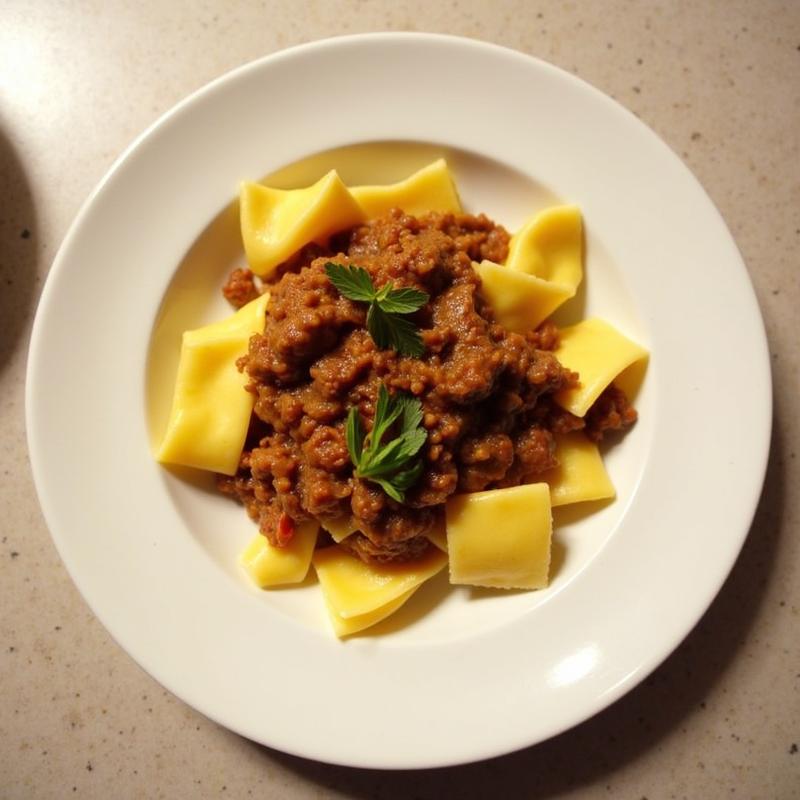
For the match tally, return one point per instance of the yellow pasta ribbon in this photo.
(428, 189)
(278, 566)
(580, 474)
(210, 407)
(550, 247)
(520, 301)
(500, 538)
(276, 223)
(542, 271)
(340, 528)
(358, 594)
(346, 627)
(598, 352)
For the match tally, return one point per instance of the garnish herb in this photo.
(393, 464)
(385, 321)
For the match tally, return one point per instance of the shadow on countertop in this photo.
(18, 250)
(621, 733)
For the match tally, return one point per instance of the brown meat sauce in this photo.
(486, 393)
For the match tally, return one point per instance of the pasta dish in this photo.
(390, 396)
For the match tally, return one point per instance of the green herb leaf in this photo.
(401, 482)
(385, 323)
(389, 488)
(407, 478)
(354, 283)
(354, 434)
(379, 327)
(405, 336)
(413, 441)
(391, 464)
(387, 410)
(411, 414)
(403, 301)
(384, 461)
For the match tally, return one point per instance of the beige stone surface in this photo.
(719, 81)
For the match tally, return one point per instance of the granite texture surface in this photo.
(719, 81)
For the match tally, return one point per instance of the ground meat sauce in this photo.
(486, 393)
(240, 288)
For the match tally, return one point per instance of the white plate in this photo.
(458, 676)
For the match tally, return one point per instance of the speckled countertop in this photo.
(719, 81)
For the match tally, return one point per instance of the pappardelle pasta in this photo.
(390, 397)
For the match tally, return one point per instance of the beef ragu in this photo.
(486, 392)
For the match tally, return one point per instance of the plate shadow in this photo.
(19, 250)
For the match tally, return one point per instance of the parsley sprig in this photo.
(385, 321)
(392, 464)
